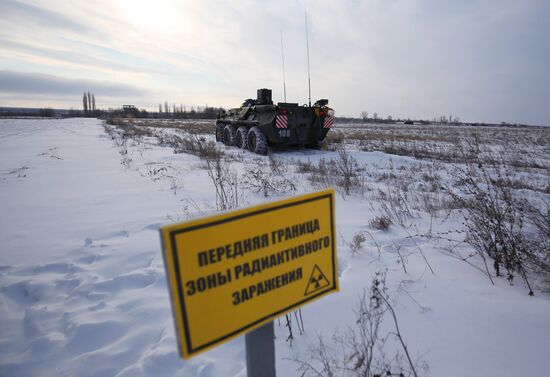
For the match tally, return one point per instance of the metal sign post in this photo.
(260, 351)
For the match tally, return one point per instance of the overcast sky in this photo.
(481, 60)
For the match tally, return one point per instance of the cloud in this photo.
(67, 56)
(27, 13)
(37, 83)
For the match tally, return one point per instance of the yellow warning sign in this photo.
(231, 273)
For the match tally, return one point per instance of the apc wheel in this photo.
(242, 137)
(219, 132)
(229, 135)
(320, 145)
(257, 142)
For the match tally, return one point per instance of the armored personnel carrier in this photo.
(259, 124)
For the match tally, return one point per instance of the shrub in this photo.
(381, 223)
(364, 349)
(499, 225)
(225, 182)
(356, 243)
(348, 170)
(268, 180)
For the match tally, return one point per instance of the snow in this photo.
(82, 281)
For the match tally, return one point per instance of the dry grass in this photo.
(194, 127)
(187, 142)
(191, 126)
(519, 147)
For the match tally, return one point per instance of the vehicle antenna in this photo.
(308, 70)
(283, 54)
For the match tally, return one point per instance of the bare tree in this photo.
(85, 102)
(89, 101)
(365, 115)
(93, 102)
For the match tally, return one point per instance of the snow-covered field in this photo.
(82, 282)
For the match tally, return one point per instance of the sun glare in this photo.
(158, 15)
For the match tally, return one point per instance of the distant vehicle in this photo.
(130, 110)
(259, 124)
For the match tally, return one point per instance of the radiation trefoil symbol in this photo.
(317, 281)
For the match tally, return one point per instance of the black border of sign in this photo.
(173, 234)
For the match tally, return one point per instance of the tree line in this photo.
(181, 112)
